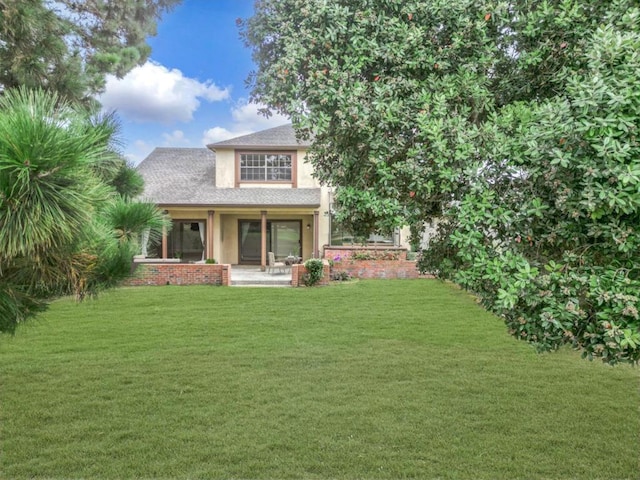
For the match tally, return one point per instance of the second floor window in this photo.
(265, 167)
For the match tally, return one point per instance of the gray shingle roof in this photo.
(283, 136)
(186, 176)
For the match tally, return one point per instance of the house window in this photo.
(266, 167)
(342, 236)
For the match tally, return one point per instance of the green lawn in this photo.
(371, 379)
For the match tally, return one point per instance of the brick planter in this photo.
(390, 262)
(378, 268)
(348, 251)
(298, 271)
(179, 274)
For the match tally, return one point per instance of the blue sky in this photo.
(192, 90)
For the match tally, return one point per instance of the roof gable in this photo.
(280, 137)
(186, 176)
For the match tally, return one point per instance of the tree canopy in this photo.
(69, 46)
(517, 122)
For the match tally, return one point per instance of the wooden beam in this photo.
(209, 238)
(263, 241)
(316, 234)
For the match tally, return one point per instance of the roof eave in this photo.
(213, 147)
(236, 205)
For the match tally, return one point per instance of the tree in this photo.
(61, 174)
(58, 233)
(69, 46)
(517, 121)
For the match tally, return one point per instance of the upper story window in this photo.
(266, 167)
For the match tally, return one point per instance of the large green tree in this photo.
(69, 46)
(516, 121)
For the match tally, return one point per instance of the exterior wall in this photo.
(324, 222)
(395, 265)
(305, 172)
(345, 252)
(298, 271)
(403, 237)
(179, 274)
(225, 241)
(225, 168)
(430, 230)
(390, 269)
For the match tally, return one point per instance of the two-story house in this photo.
(239, 199)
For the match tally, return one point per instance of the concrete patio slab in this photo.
(251, 275)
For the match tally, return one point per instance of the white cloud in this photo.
(217, 134)
(246, 120)
(141, 145)
(247, 114)
(175, 138)
(153, 93)
(138, 152)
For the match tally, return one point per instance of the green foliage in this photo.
(374, 255)
(127, 181)
(60, 170)
(517, 121)
(63, 228)
(315, 271)
(129, 218)
(553, 247)
(340, 276)
(68, 47)
(46, 187)
(211, 261)
(48, 197)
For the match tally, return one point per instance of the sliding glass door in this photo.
(186, 240)
(283, 239)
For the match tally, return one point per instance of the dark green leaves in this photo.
(517, 121)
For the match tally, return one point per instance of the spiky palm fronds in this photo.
(16, 306)
(47, 189)
(50, 193)
(129, 219)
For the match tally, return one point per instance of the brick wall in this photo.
(398, 267)
(298, 271)
(179, 274)
(347, 251)
(378, 268)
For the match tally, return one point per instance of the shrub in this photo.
(375, 255)
(341, 276)
(210, 260)
(314, 273)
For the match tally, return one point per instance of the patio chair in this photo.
(273, 265)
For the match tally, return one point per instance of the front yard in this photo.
(370, 379)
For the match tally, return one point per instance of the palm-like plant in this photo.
(63, 227)
(48, 194)
(130, 219)
(130, 223)
(47, 189)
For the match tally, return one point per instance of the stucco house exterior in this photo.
(239, 199)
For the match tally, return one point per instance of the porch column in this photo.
(316, 234)
(165, 246)
(210, 253)
(263, 241)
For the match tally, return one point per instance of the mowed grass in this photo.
(372, 379)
